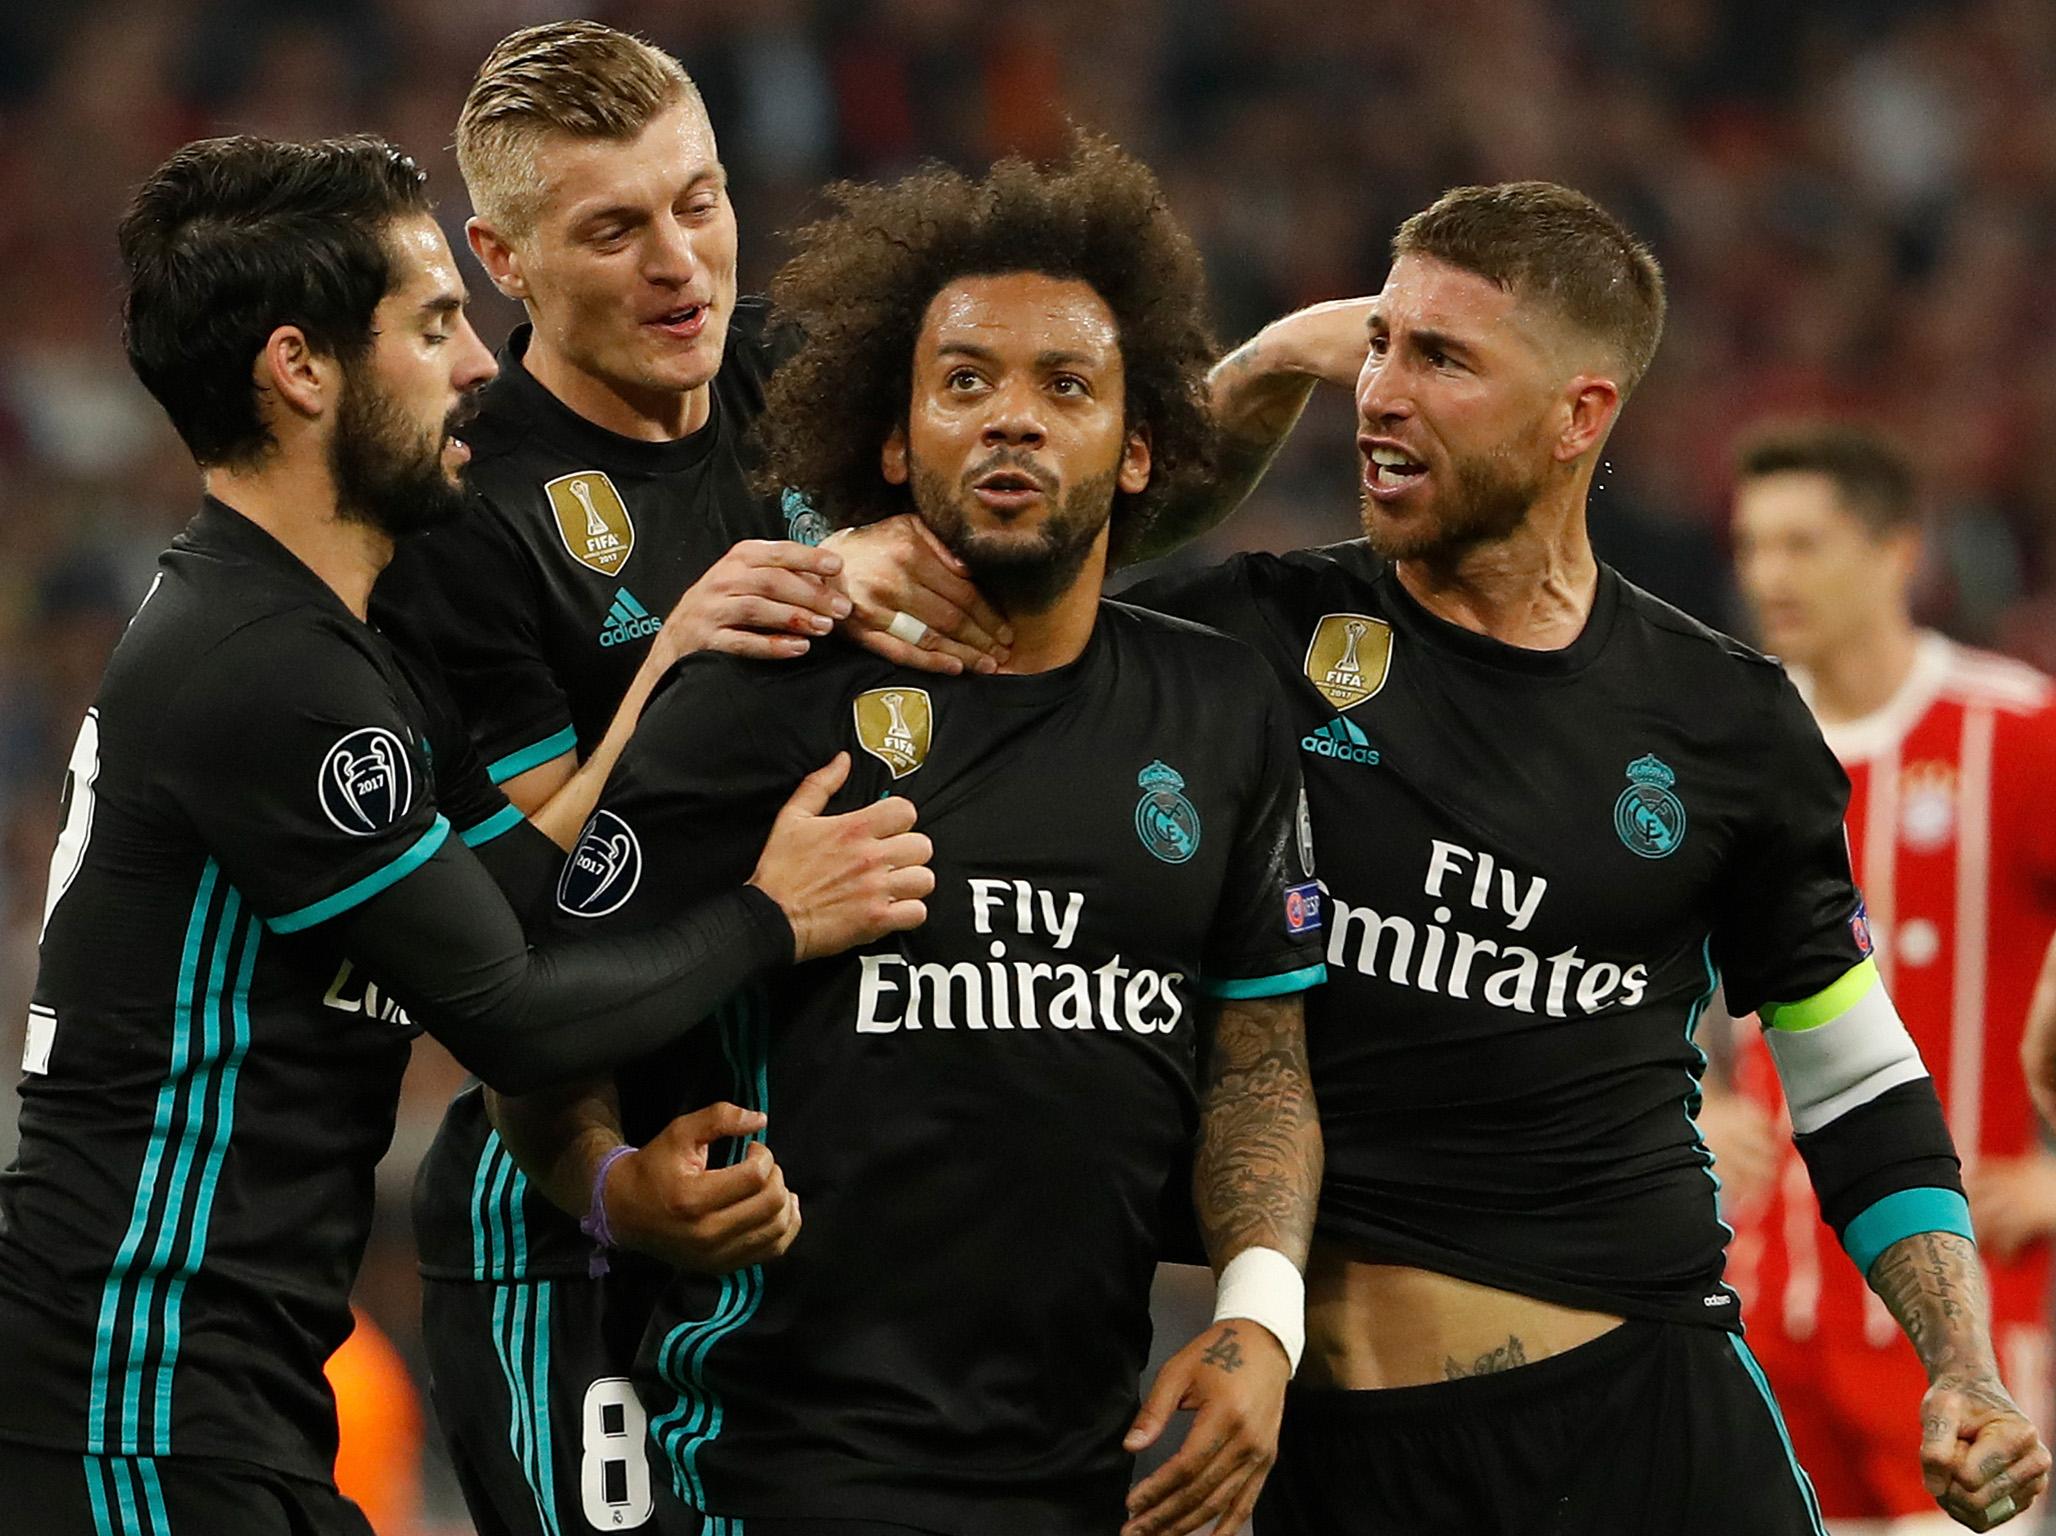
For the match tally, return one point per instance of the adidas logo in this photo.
(627, 620)
(1341, 740)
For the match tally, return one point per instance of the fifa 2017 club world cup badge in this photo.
(1648, 817)
(1165, 820)
(896, 726)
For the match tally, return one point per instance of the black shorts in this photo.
(532, 1386)
(66, 1493)
(1654, 1427)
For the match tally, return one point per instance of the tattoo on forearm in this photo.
(1224, 1352)
(1504, 1358)
(1258, 1172)
(1256, 411)
(1932, 1284)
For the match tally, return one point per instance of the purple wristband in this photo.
(594, 1224)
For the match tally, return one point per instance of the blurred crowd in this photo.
(1854, 200)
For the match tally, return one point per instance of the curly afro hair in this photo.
(861, 282)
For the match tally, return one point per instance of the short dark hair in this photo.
(231, 238)
(862, 280)
(1542, 241)
(1873, 480)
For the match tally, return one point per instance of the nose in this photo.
(670, 259)
(1380, 396)
(1014, 419)
(474, 365)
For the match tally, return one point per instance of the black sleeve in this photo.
(447, 946)
(690, 803)
(470, 599)
(1791, 920)
(1266, 939)
(299, 765)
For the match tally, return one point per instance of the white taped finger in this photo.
(905, 626)
(1999, 1511)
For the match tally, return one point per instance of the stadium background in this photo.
(1855, 202)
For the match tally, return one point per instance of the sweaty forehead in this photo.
(1424, 294)
(1022, 312)
(423, 267)
(580, 175)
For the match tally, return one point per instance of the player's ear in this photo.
(501, 261)
(289, 371)
(1591, 402)
(1133, 476)
(892, 458)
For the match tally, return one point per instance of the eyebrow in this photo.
(716, 174)
(1050, 359)
(445, 304)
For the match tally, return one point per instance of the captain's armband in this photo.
(1839, 1049)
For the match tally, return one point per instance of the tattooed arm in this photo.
(1257, 1178)
(1257, 393)
(1980, 1457)
(1259, 1167)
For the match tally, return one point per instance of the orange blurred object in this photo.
(379, 1414)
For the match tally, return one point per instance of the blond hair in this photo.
(576, 78)
(1546, 242)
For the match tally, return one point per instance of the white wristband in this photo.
(1262, 1286)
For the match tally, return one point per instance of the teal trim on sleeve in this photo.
(1265, 986)
(363, 890)
(515, 764)
(1902, 1214)
(505, 819)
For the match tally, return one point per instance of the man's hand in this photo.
(1233, 1379)
(2012, 1202)
(844, 880)
(1979, 1456)
(664, 1199)
(764, 598)
(1745, 1144)
(899, 566)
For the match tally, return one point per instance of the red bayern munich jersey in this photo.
(1952, 832)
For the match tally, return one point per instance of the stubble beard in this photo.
(1018, 576)
(1489, 501)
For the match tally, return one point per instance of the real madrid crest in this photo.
(1348, 658)
(803, 525)
(1648, 817)
(895, 725)
(592, 519)
(1165, 820)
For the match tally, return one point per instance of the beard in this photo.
(1489, 499)
(1018, 575)
(389, 473)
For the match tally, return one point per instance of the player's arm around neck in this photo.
(1257, 394)
(1255, 1184)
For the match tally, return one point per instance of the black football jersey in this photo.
(1538, 865)
(981, 1117)
(540, 605)
(207, 1086)
(539, 608)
